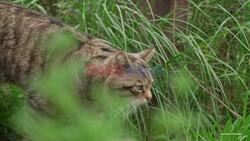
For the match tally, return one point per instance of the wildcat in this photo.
(23, 34)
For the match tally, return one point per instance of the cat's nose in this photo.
(148, 96)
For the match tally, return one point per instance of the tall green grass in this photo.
(203, 91)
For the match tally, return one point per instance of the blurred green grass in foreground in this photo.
(203, 92)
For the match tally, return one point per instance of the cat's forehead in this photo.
(142, 71)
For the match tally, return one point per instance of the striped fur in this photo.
(23, 34)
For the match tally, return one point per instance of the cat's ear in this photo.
(147, 54)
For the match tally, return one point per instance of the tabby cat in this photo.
(23, 34)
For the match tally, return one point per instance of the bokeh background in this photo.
(202, 94)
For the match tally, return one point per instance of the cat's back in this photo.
(14, 15)
(20, 32)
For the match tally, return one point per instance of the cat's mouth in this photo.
(145, 97)
(140, 100)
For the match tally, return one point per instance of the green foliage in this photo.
(71, 121)
(209, 79)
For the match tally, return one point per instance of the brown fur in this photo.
(23, 34)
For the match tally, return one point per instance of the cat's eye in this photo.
(139, 88)
(106, 50)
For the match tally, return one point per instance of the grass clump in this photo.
(203, 90)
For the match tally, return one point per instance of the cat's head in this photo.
(128, 72)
